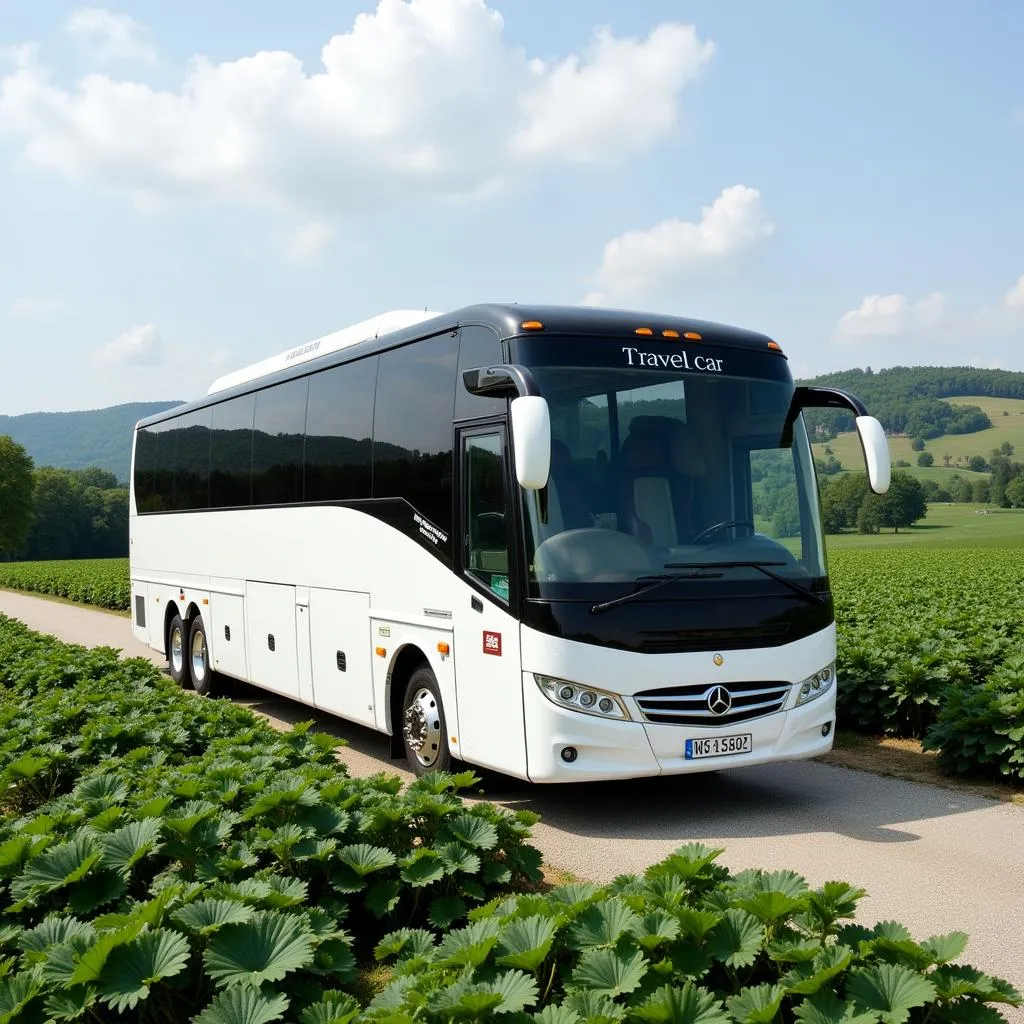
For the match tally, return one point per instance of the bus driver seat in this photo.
(660, 460)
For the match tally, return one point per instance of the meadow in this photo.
(959, 447)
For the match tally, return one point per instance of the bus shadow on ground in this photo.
(765, 801)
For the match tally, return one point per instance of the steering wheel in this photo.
(724, 525)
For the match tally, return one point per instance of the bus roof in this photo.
(398, 327)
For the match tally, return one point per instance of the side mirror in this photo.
(531, 440)
(876, 453)
(870, 431)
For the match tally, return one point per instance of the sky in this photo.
(186, 189)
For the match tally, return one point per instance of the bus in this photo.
(562, 543)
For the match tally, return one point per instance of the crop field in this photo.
(98, 581)
(167, 859)
(930, 646)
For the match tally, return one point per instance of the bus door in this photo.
(488, 675)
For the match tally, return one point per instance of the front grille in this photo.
(730, 638)
(688, 705)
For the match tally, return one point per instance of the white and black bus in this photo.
(559, 542)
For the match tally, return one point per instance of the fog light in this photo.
(826, 728)
(569, 754)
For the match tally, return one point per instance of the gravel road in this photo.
(936, 860)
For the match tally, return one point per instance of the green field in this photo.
(959, 447)
(946, 526)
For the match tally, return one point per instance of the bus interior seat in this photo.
(660, 460)
(568, 487)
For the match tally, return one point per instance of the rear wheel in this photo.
(177, 644)
(424, 730)
(204, 679)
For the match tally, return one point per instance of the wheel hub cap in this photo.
(422, 727)
(177, 655)
(199, 656)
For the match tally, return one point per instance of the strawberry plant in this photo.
(686, 942)
(980, 729)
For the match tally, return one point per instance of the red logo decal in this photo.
(492, 643)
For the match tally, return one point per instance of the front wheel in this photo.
(424, 730)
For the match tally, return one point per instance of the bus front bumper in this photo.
(567, 746)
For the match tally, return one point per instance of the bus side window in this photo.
(486, 556)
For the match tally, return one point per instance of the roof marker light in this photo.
(645, 331)
(774, 346)
(693, 336)
(670, 334)
(532, 325)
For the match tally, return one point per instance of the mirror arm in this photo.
(500, 379)
(819, 398)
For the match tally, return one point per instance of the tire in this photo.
(204, 679)
(177, 652)
(424, 729)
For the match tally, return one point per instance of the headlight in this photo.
(816, 685)
(585, 699)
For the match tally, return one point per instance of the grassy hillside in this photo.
(74, 440)
(959, 447)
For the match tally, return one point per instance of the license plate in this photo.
(719, 746)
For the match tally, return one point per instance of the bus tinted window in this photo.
(145, 465)
(163, 476)
(277, 443)
(478, 346)
(192, 461)
(412, 420)
(231, 452)
(339, 429)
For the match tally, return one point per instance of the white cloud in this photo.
(887, 316)
(308, 241)
(627, 84)
(639, 263)
(1014, 298)
(138, 346)
(36, 307)
(108, 36)
(421, 98)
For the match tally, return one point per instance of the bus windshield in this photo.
(656, 473)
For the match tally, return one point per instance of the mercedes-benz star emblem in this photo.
(719, 700)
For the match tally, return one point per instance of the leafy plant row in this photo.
(929, 647)
(168, 858)
(99, 581)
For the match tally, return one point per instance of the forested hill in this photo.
(909, 399)
(75, 440)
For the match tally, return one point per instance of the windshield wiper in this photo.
(807, 595)
(653, 582)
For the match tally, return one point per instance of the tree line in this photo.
(909, 399)
(48, 513)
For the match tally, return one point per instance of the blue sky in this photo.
(185, 189)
